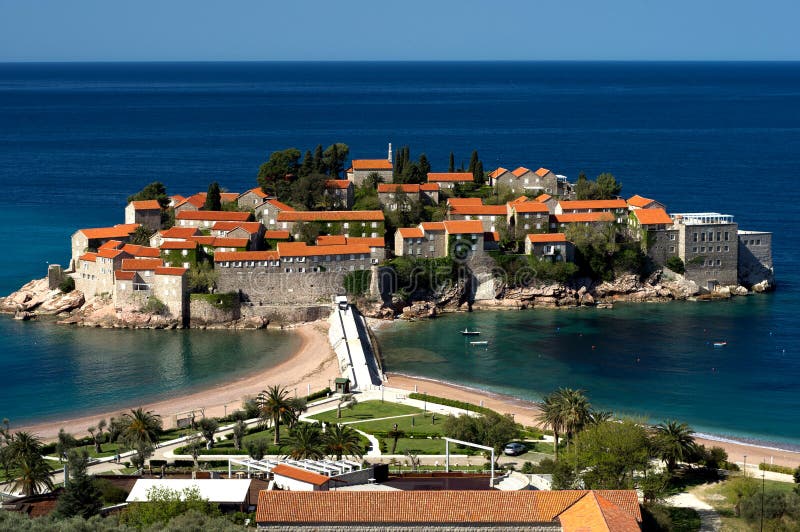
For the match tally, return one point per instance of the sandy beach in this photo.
(312, 367)
(527, 413)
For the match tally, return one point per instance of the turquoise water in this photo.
(652, 360)
(53, 371)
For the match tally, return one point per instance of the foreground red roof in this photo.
(146, 205)
(547, 237)
(232, 256)
(141, 264)
(164, 270)
(118, 231)
(277, 235)
(325, 216)
(179, 232)
(498, 172)
(301, 249)
(520, 171)
(541, 172)
(408, 188)
(111, 244)
(463, 227)
(124, 276)
(372, 164)
(593, 204)
(331, 240)
(432, 226)
(450, 177)
(341, 184)
(639, 201)
(529, 206)
(302, 475)
(410, 232)
(376, 242)
(463, 202)
(213, 216)
(652, 217)
(584, 217)
(479, 210)
(179, 244)
(140, 251)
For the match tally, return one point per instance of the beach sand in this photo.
(527, 413)
(312, 367)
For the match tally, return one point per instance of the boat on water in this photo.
(467, 332)
(483, 342)
(720, 344)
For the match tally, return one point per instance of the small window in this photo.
(672, 249)
(694, 238)
(758, 242)
(726, 235)
(702, 237)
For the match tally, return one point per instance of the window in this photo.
(694, 239)
(672, 236)
(289, 259)
(719, 236)
(301, 259)
(301, 270)
(702, 237)
(185, 264)
(726, 235)
(432, 248)
(346, 225)
(719, 262)
(672, 249)
(147, 273)
(758, 242)
(719, 248)
(702, 249)
(726, 248)
(374, 225)
(527, 226)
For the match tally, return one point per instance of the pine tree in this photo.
(213, 198)
(81, 496)
(307, 168)
(317, 163)
(478, 174)
(473, 160)
(452, 166)
(424, 165)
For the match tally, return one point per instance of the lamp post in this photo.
(424, 402)
(745, 466)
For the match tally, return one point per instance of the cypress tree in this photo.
(213, 198)
(424, 165)
(473, 160)
(452, 167)
(307, 168)
(478, 174)
(317, 164)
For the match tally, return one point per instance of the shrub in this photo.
(357, 282)
(775, 468)
(676, 265)
(155, 306)
(67, 285)
(318, 395)
(776, 506)
(110, 493)
(527, 467)
(450, 402)
(225, 302)
(155, 464)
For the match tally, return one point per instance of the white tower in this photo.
(390, 152)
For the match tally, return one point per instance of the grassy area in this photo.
(416, 445)
(663, 517)
(366, 411)
(226, 446)
(723, 497)
(423, 423)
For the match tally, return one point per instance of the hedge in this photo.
(450, 402)
(775, 468)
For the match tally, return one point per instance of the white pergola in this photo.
(448, 441)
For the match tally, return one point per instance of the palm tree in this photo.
(305, 442)
(674, 440)
(341, 440)
(34, 474)
(576, 411)
(276, 406)
(600, 416)
(140, 432)
(553, 417)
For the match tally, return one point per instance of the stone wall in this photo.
(55, 274)
(755, 258)
(278, 315)
(272, 288)
(203, 312)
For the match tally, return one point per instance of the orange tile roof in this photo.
(460, 202)
(520, 199)
(547, 237)
(376, 242)
(179, 232)
(88, 257)
(652, 217)
(410, 232)
(111, 244)
(478, 210)
(302, 475)
(220, 241)
(593, 204)
(301, 249)
(450, 177)
(250, 227)
(372, 164)
(432, 226)
(146, 205)
(584, 217)
(463, 227)
(164, 270)
(595, 513)
(257, 191)
(109, 253)
(124, 276)
(277, 235)
(529, 206)
(176, 199)
(520, 171)
(544, 197)
(429, 187)
(331, 240)
(141, 264)
(408, 188)
(227, 197)
(233, 216)
(325, 216)
(118, 231)
(426, 507)
(179, 244)
(140, 251)
(231, 256)
(497, 173)
(197, 200)
(341, 184)
(541, 172)
(279, 205)
(491, 236)
(639, 201)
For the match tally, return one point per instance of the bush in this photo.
(763, 466)
(776, 506)
(155, 306)
(318, 395)
(67, 285)
(110, 493)
(155, 464)
(225, 302)
(676, 265)
(357, 282)
(450, 402)
(527, 467)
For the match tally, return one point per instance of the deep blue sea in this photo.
(76, 139)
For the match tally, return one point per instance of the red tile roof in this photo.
(220, 241)
(529, 206)
(497, 173)
(519, 199)
(376, 242)
(109, 253)
(301, 249)
(331, 240)
(279, 205)
(227, 197)
(257, 191)
(639, 201)
(140, 251)
(141, 264)
(118, 231)
(491, 236)
(408, 188)
(584, 217)
(429, 187)
(520, 171)
(88, 257)
(426, 507)
(341, 184)
(277, 235)
(372, 164)
(179, 244)
(593, 204)
(302, 475)
(432, 226)
(124, 276)
(547, 237)
(232, 256)
(179, 232)
(450, 177)
(541, 172)
(544, 197)
(111, 244)
(250, 227)
(410, 232)
(479, 210)
(146, 205)
(233, 216)
(325, 216)
(461, 202)
(652, 217)
(197, 200)
(463, 227)
(595, 513)
(164, 270)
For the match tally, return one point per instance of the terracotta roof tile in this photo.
(325, 216)
(179, 244)
(592, 204)
(179, 232)
(233, 216)
(410, 232)
(450, 177)
(520, 171)
(462, 202)
(544, 197)
(594, 513)
(141, 251)
(301, 249)
(463, 227)
(541, 172)
(250, 227)
(520, 199)
(279, 205)
(429, 187)
(197, 200)
(498, 172)
(584, 217)
(124, 276)
(109, 253)
(372, 164)
(227, 197)
(639, 201)
(220, 241)
(111, 244)
(257, 191)
(331, 240)
(547, 237)
(432, 226)
(479, 210)
(88, 257)
(141, 264)
(118, 231)
(277, 235)
(408, 188)
(164, 270)
(529, 206)
(341, 184)
(376, 242)
(652, 217)
(146, 205)
(232, 256)
(302, 475)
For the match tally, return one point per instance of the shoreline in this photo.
(527, 413)
(312, 366)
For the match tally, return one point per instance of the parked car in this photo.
(514, 449)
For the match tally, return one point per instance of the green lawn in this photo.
(722, 496)
(366, 411)
(420, 424)
(417, 445)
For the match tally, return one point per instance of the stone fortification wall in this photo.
(284, 315)
(203, 312)
(268, 288)
(755, 258)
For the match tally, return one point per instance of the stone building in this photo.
(390, 195)
(252, 231)
(341, 193)
(528, 217)
(639, 202)
(755, 258)
(251, 199)
(146, 213)
(347, 223)
(618, 208)
(362, 168)
(654, 228)
(560, 222)
(490, 216)
(525, 181)
(134, 287)
(551, 246)
(268, 211)
(708, 244)
(207, 219)
(459, 239)
(173, 234)
(89, 240)
(449, 180)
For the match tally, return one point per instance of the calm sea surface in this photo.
(76, 139)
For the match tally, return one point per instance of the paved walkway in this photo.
(709, 518)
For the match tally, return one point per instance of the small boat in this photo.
(720, 344)
(467, 332)
(484, 342)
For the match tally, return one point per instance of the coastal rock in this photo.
(36, 296)
(24, 315)
(419, 309)
(626, 284)
(59, 302)
(740, 291)
(763, 286)
(587, 299)
(680, 288)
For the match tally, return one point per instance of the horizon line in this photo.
(334, 61)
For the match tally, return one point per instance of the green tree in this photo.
(424, 165)
(490, 429)
(276, 406)
(141, 236)
(97, 435)
(342, 440)
(164, 504)
(213, 198)
(256, 449)
(208, 428)
(307, 166)
(81, 496)
(607, 186)
(140, 433)
(201, 277)
(32, 471)
(576, 411)
(308, 191)
(553, 417)
(154, 191)
(305, 442)
(309, 231)
(396, 433)
(317, 161)
(64, 442)
(473, 162)
(676, 265)
(451, 167)
(279, 165)
(239, 430)
(479, 175)
(674, 441)
(334, 157)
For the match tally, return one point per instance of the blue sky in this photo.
(167, 30)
